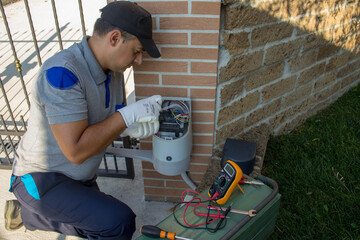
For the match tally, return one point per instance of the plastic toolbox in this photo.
(264, 199)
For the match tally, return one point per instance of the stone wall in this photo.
(280, 62)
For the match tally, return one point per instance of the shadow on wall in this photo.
(280, 62)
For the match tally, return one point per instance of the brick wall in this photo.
(187, 34)
(280, 62)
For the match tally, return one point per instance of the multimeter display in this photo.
(225, 183)
(229, 169)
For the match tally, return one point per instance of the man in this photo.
(76, 112)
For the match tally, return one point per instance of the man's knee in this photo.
(128, 226)
(121, 224)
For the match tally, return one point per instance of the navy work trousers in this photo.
(55, 202)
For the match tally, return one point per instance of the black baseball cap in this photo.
(133, 19)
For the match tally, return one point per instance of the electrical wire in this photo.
(180, 112)
(179, 116)
(221, 214)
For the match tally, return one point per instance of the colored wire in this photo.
(197, 204)
(179, 116)
(175, 103)
(180, 112)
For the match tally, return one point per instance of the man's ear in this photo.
(115, 37)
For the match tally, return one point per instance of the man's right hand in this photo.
(142, 129)
(144, 110)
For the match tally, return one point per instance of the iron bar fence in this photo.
(33, 32)
(57, 24)
(17, 62)
(82, 18)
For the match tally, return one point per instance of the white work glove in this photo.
(145, 110)
(141, 129)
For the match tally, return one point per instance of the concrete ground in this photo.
(129, 191)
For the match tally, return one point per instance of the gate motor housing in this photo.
(173, 143)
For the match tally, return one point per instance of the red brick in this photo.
(203, 67)
(190, 53)
(146, 56)
(203, 128)
(196, 176)
(173, 199)
(163, 91)
(169, 7)
(206, 8)
(154, 24)
(202, 105)
(203, 139)
(176, 184)
(146, 78)
(202, 93)
(200, 149)
(200, 159)
(205, 39)
(170, 38)
(162, 66)
(203, 117)
(146, 145)
(147, 165)
(154, 183)
(198, 168)
(189, 23)
(189, 80)
(154, 174)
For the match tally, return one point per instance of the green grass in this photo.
(317, 167)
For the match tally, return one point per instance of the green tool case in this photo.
(264, 199)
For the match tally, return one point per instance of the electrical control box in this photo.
(173, 143)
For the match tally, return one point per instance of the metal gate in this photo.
(14, 82)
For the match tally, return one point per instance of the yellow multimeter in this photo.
(225, 183)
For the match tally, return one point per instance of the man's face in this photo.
(126, 54)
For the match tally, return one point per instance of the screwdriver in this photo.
(251, 182)
(156, 232)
